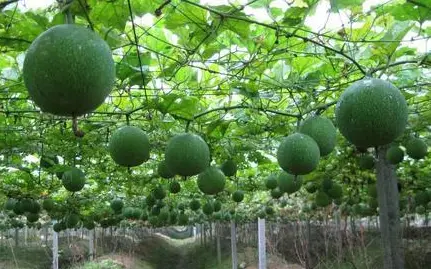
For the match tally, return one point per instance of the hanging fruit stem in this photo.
(75, 128)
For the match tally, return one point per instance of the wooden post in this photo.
(262, 243)
(25, 235)
(218, 243)
(233, 244)
(16, 237)
(54, 249)
(91, 242)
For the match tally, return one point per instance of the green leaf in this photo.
(342, 4)
(295, 15)
(394, 35)
(39, 19)
(241, 28)
(411, 11)
(112, 36)
(260, 3)
(185, 14)
(129, 66)
(110, 13)
(58, 18)
(140, 8)
(218, 128)
(185, 106)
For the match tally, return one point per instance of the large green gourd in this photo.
(187, 154)
(129, 146)
(298, 154)
(69, 70)
(371, 112)
(323, 131)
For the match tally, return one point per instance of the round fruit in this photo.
(26, 204)
(322, 199)
(394, 155)
(159, 192)
(175, 187)
(366, 162)
(69, 70)
(164, 171)
(89, 225)
(276, 193)
(18, 208)
(181, 206)
(128, 212)
(323, 131)
(211, 181)
(229, 168)
(187, 154)
(298, 154)
(73, 179)
(72, 220)
(238, 196)
(32, 217)
(117, 205)
(271, 182)
(311, 187)
(336, 191)
(48, 160)
(269, 210)
(416, 148)
(289, 183)
(10, 204)
(195, 205)
(217, 206)
(48, 204)
(218, 216)
(34, 208)
(59, 226)
(129, 146)
(371, 112)
(208, 208)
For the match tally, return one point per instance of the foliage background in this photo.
(240, 79)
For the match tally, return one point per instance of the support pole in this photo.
(233, 244)
(54, 249)
(91, 242)
(261, 243)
